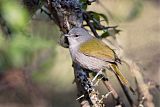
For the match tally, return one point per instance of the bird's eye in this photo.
(76, 35)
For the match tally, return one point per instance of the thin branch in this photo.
(86, 18)
(142, 87)
(114, 93)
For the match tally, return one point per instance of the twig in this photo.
(86, 18)
(47, 12)
(142, 87)
(114, 93)
(105, 96)
(53, 12)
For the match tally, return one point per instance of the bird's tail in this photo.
(123, 80)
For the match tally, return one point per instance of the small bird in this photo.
(92, 54)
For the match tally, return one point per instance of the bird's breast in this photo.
(87, 62)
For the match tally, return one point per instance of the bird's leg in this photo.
(96, 84)
(99, 72)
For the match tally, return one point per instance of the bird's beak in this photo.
(66, 35)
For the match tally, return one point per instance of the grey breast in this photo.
(87, 62)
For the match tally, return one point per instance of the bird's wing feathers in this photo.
(96, 48)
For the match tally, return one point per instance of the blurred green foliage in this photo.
(136, 9)
(22, 47)
(16, 16)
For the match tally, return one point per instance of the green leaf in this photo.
(113, 32)
(98, 15)
(84, 4)
(105, 34)
(104, 17)
(83, 1)
(110, 32)
(95, 16)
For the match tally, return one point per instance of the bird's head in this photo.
(77, 36)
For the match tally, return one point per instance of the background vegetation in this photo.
(33, 47)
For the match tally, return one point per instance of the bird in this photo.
(93, 54)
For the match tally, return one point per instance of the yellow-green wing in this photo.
(96, 48)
